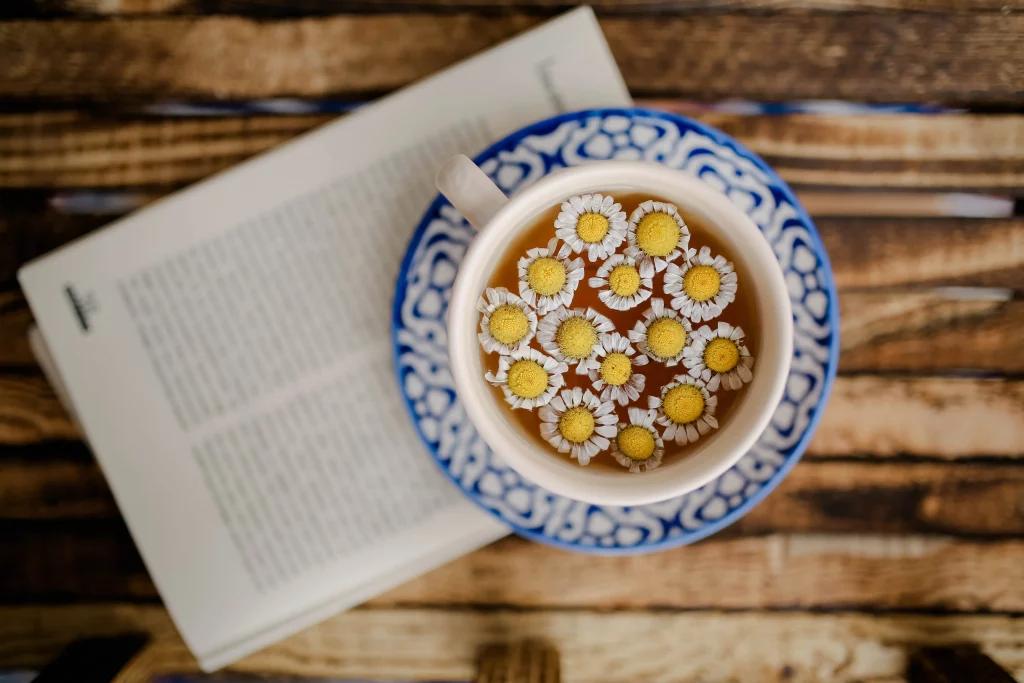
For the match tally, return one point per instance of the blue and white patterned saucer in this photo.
(421, 360)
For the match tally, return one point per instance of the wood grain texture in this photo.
(849, 496)
(98, 562)
(30, 412)
(930, 331)
(528, 661)
(975, 500)
(67, 489)
(279, 8)
(950, 251)
(74, 149)
(904, 151)
(71, 148)
(773, 56)
(949, 418)
(612, 647)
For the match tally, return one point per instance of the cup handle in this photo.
(469, 190)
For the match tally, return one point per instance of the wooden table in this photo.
(903, 525)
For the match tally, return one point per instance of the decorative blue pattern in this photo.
(421, 362)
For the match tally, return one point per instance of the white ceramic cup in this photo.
(499, 220)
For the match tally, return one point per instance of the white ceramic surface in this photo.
(499, 221)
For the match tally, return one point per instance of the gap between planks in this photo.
(76, 149)
(771, 56)
(614, 648)
(876, 572)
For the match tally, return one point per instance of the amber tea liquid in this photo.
(741, 312)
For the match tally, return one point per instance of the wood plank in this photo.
(40, 488)
(865, 56)
(612, 647)
(74, 149)
(906, 151)
(951, 251)
(30, 412)
(279, 8)
(948, 418)
(931, 331)
(855, 496)
(894, 498)
(98, 562)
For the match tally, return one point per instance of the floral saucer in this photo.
(421, 360)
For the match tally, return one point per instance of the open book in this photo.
(227, 355)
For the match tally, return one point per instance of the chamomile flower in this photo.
(637, 445)
(548, 279)
(616, 376)
(719, 357)
(662, 334)
(578, 423)
(686, 409)
(508, 324)
(592, 222)
(702, 286)
(528, 378)
(624, 283)
(573, 336)
(657, 234)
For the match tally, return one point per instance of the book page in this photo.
(227, 353)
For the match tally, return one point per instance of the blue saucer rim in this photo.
(513, 139)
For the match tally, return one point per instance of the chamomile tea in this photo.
(617, 331)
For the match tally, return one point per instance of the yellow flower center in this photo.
(546, 276)
(721, 355)
(527, 379)
(657, 234)
(576, 424)
(636, 442)
(666, 337)
(624, 280)
(592, 227)
(616, 369)
(576, 338)
(508, 324)
(683, 404)
(701, 283)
